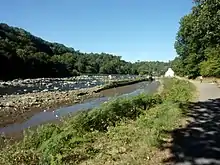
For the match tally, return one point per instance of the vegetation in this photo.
(114, 84)
(123, 131)
(197, 42)
(23, 55)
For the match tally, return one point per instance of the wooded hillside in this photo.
(23, 55)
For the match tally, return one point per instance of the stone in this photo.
(9, 104)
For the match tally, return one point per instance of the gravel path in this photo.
(198, 143)
(207, 91)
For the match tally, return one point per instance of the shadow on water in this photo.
(198, 143)
(48, 116)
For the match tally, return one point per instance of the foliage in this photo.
(173, 87)
(155, 68)
(111, 113)
(211, 66)
(197, 37)
(117, 131)
(23, 55)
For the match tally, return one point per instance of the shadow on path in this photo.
(198, 143)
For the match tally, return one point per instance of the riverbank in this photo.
(20, 107)
(22, 86)
(126, 130)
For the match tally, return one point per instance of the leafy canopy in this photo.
(198, 39)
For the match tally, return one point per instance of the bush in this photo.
(115, 111)
(177, 90)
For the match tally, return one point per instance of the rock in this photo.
(33, 103)
(47, 99)
(5, 84)
(82, 93)
(9, 104)
(49, 85)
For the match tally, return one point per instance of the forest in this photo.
(198, 41)
(23, 55)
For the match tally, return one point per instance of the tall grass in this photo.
(177, 90)
(123, 130)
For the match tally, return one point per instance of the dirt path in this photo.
(207, 91)
(198, 143)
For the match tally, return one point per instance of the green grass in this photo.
(123, 131)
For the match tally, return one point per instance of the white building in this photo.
(169, 73)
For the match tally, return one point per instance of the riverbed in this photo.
(18, 86)
(19, 107)
(52, 115)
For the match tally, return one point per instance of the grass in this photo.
(123, 131)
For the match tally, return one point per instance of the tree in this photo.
(211, 66)
(199, 31)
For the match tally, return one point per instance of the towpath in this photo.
(198, 143)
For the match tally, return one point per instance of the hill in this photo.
(23, 55)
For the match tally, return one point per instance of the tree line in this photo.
(198, 41)
(23, 55)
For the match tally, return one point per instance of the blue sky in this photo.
(133, 29)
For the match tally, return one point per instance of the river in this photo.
(55, 115)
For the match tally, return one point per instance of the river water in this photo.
(51, 116)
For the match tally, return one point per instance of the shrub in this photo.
(177, 90)
(111, 113)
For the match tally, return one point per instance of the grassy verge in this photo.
(123, 131)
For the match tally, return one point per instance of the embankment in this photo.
(115, 84)
(122, 131)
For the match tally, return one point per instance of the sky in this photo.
(142, 30)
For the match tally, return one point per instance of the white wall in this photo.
(169, 73)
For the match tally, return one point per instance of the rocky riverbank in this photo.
(19, 86)
(19, 107)
(23, 106)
